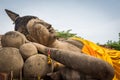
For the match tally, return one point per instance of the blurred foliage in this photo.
(114, 44)
(110, 44)
(65, 34)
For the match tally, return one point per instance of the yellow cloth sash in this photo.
(111, 56)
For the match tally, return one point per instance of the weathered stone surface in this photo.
(13, 39)
(27, 50)
(36, 65)
(10, 60)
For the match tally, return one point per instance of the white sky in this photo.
(95, 20)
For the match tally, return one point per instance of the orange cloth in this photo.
(110, 56)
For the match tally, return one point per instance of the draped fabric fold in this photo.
(108, 55)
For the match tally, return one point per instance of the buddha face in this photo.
(35, 29)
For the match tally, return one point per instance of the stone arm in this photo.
(80, 62)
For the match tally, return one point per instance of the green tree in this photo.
(65, 34)
(114, 44)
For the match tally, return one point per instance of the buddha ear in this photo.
(12, 15)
